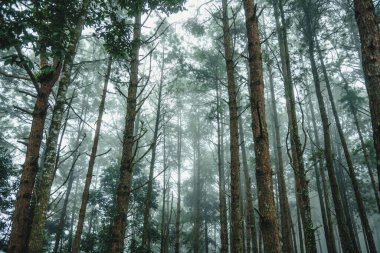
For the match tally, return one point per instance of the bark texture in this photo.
(370, 46)
(267, 207)
(20, 221)
(234, 134)
(222, 179)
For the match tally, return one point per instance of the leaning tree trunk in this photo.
(145, 243)
(126, 167)
(351, 169)
(369, 33)
(234, 134)
(267, 207)
(222, 179)
(91, 164)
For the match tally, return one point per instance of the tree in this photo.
(91, 164)
(267, 209)
(234, 132)
(49, 35)
(309, 29)
(369, 32)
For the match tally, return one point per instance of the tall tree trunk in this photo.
(126, 167)
(179, 157)
(72, 218)
(222, 179)
(351, 170)
(221, 176)
(370, 44)
(234, 134)
(163, 210)
(20, 220)
(330, 227)
(300, 230)
(44, 184)
(287, 243)
(251, 224)
(329, 237)
(91, 164)
(267, 208)
(196, 186)
(61, 224)
(297, 162)
(344, 191)
(148, 199)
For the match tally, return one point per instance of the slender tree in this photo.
(179, 157)
(148, 199)
(287, 243)
(91, 164)
(303, 199)
(221, 173)
(126, 167)
(234, 133)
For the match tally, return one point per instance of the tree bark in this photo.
(370, 46)
(234, 134)
(267, 208)
(251, 224)
(20, 220)
(126, 167)
(222, 179)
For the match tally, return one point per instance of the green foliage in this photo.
(8, 185)
(352, 98)
(45, 73)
